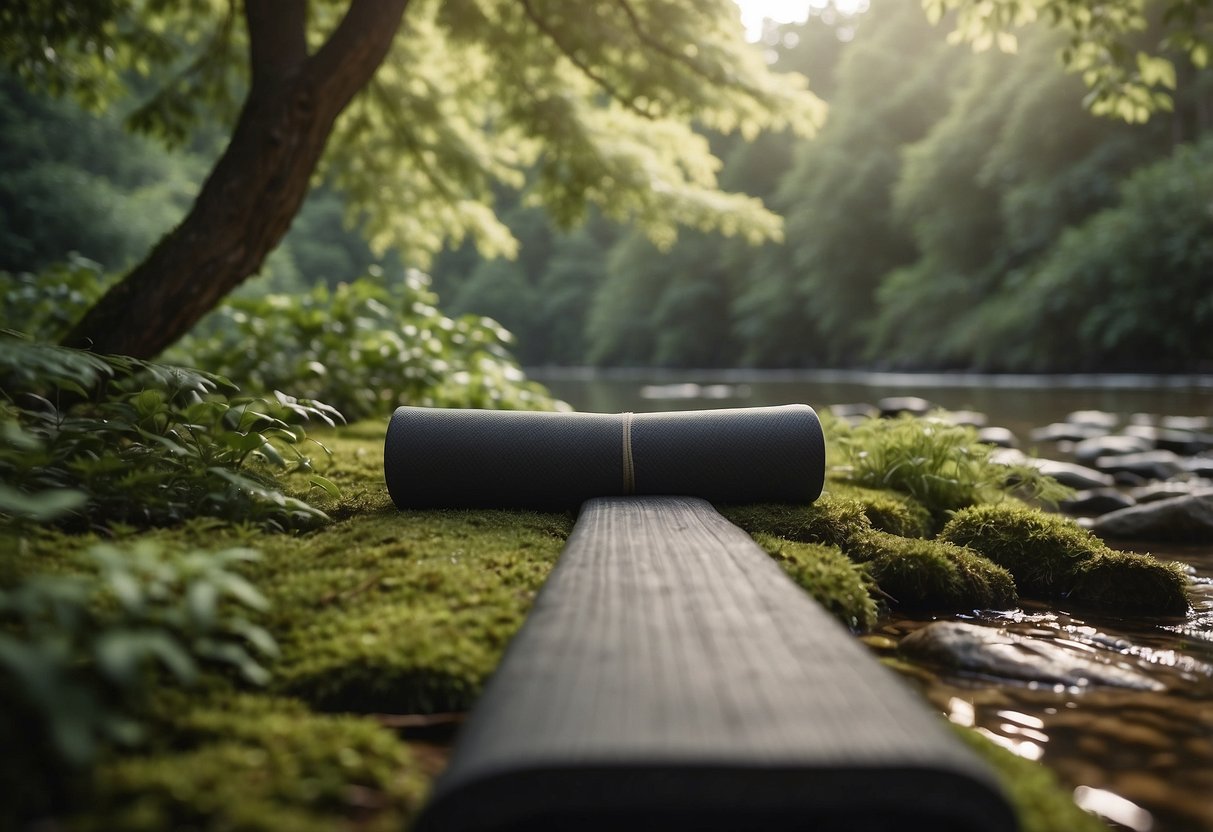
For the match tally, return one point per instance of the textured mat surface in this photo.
(671, 677)
(511, 459)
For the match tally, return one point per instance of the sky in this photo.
(787, 11)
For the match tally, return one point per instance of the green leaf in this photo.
(325, 483)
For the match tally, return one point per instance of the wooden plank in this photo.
(670, 676)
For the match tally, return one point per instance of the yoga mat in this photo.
(455, 458)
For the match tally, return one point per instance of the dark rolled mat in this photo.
(552, 461)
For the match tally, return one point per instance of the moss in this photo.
(888, 511)
(931, 574)
(404, 611)
(831, 520)
(1040, 802)
(1051, 557)
(1124, 582)
(828, 575)
(258, 763)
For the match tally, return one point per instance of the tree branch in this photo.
(356, 48)
(585, 68)
(673, 54)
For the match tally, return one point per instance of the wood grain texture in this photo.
(671, 677)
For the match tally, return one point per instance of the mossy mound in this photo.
(1052, 557)
(828, 575)
(831, 521)
(1124, 582)
(888, 511)
(931, 574)
(259, 763)
(404, 612)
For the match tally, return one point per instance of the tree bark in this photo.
(251, 196)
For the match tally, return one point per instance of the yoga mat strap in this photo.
(459, 458)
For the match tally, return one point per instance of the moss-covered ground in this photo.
(384, 614)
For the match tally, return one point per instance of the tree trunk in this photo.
(254, 191)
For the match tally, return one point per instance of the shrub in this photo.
(80, 654)
(48, 303)
(97, 440)
(1051, 557)
(365, 347)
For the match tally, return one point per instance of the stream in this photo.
(1140, 759)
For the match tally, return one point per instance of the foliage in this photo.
(365, 347)
(471, 94)
(1051, 557)
(1130, 286)
(105, 440)
(82, 651)
(48, 303)
(942, 466)
(1125, 81)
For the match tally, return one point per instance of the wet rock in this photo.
(1089, 450)
(1094, 418)
(995, 652)
(1154, 465)
(1065, 432)
(1155, 491)
(1096, 501)
(854, 412)
(1127, 479)
(1186, 519)
(1182, 442)
(997, 436)
(897, 405)
(1194, 423)
(1201, 466)
(1071, 474)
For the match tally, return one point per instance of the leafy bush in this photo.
(81, 651)
(365, 347)
(97, 440)
(942, 466)
(48, 303)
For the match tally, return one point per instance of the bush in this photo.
(81, 653)
(365, 347)
(95, 440)
(47, 304)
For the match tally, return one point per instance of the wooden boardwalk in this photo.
(671, 677)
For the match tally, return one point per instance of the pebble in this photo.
(1096, 501)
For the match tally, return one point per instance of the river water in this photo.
(1142, 760)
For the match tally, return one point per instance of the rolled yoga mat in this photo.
(554, 461)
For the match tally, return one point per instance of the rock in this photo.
(999, 437)
(1201, 466)
(1127, 479)
(1071, 474)
(1182, 442)
(1089, 450)
(996, 652)
(1192, 423)
(854, 412)
(1094, 418)
(1063, 431)
(1155, 465)
(1185, 519)
(1096, 501)
(897, 405)
(1155, 491)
